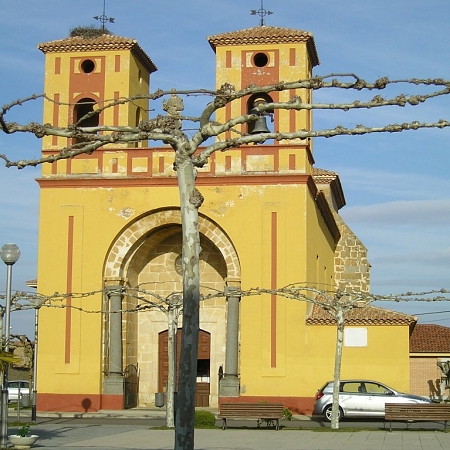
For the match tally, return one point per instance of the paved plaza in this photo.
(141, 429)
(71, 436)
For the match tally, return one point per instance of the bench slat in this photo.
(259, 411)
(407, 412)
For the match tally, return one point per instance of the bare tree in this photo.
(338, 303)
(171, 306)
(189, 155)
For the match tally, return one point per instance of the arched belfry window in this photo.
(260, 125)
(83, 107)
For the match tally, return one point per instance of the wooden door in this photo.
(203, 374)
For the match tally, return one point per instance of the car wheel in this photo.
(328, 411)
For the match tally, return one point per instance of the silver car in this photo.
(17, 388)
(361, 398)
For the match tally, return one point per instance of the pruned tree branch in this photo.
(163, 128)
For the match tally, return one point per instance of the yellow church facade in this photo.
(111, 219)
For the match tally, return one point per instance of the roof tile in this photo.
(367, 315)
(266, 35)
(324, 176)
(105, 42)
(430, 338)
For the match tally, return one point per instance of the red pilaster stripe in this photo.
(55, 119)
(228, 59)
(69, 289)
(228, 117)
(116, 109)
(273, 285)
(292, 113)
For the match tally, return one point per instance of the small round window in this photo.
(260, 60)
(179, 265)
(88, 66)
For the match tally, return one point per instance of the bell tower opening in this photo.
(261, 124)
(81, 109)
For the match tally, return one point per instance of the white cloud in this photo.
(418, 213)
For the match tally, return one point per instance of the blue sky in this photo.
(396, 185)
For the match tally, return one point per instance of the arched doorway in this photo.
(146, 255)
(203, 365)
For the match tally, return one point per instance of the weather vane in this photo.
(103, 19)
(261, 13)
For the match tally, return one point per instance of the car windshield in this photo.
(17, 384)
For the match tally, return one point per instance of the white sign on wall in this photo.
(355, 337)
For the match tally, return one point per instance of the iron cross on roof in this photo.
(261, 13)
(103, 19)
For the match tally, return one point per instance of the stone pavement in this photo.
(107, 437)
(90, 435)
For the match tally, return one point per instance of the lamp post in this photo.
(10, 254)
(34, 394)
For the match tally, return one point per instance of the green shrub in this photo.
(204, 419)
(23, 430)
(287, 414)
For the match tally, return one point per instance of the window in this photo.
(83, 107)
(353, 387)
(373, 388)
(260, 59)
(87, 66)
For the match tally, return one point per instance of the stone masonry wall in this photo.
(352, 269)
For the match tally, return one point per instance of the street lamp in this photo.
(34, 397)
(10, 254)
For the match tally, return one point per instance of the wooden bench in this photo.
(262, 412)
(417, 412)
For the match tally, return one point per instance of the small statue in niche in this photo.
(173, 106)
(445, 369)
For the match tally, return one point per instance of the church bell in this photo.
(260, 126)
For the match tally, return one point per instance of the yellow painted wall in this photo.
(99, 215)
(381, 360)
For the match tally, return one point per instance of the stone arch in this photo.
(145, 254)
(124, 247)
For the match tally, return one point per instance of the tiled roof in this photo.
(105, 42)
(32, 283)
(324, 176)
(429, 338)
(266, 35)
(369, 315)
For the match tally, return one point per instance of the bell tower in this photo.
(263, 56)
(84, 73)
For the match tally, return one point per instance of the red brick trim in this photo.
(78, 402)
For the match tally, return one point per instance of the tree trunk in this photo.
(172, 316)
(190, 200)
(337, 368)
